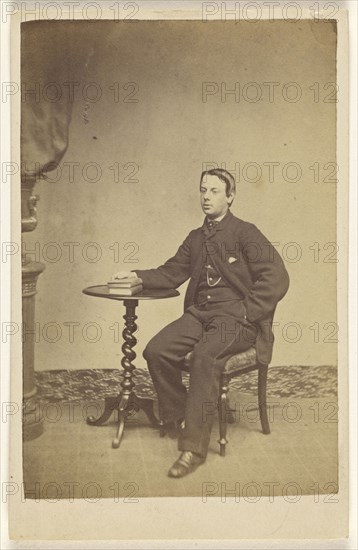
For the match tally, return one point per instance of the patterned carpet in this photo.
(91, 384)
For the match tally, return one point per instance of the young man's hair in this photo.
(224, 176)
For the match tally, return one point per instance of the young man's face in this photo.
(213, 198)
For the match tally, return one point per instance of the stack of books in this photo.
(125, 287)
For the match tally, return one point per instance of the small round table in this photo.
(127, 402)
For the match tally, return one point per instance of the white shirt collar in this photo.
(220, 218)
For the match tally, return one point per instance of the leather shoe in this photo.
(186, 463)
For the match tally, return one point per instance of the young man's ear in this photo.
(230, 198)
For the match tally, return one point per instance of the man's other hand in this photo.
(124, 275)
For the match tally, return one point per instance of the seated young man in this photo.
(236, 279)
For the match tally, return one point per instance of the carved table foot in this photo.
(125, 406)
(111, 404)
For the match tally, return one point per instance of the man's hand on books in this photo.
(124, 275)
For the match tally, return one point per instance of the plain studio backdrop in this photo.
(155, 103)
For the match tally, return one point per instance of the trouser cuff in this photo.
(185, 445)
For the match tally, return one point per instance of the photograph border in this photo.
(78, 520)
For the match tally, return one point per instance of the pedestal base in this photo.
(124, 408)
(32, 430)
(32, 421)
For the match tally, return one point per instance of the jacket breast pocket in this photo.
(240, 269)
(233, 264)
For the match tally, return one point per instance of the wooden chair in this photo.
(235, 366)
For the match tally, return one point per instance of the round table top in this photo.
(101, 291)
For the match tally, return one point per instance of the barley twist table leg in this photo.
(126, 402)
(127, 363)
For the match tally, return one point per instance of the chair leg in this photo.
(262, 384)
(224, 388)
(230, 413)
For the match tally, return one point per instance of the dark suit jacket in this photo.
(244, 258)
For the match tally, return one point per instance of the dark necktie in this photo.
(212, 223)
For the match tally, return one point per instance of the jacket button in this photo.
(208, 297)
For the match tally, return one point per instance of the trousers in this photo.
(213, 332)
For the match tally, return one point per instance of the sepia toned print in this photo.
(180, 254)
